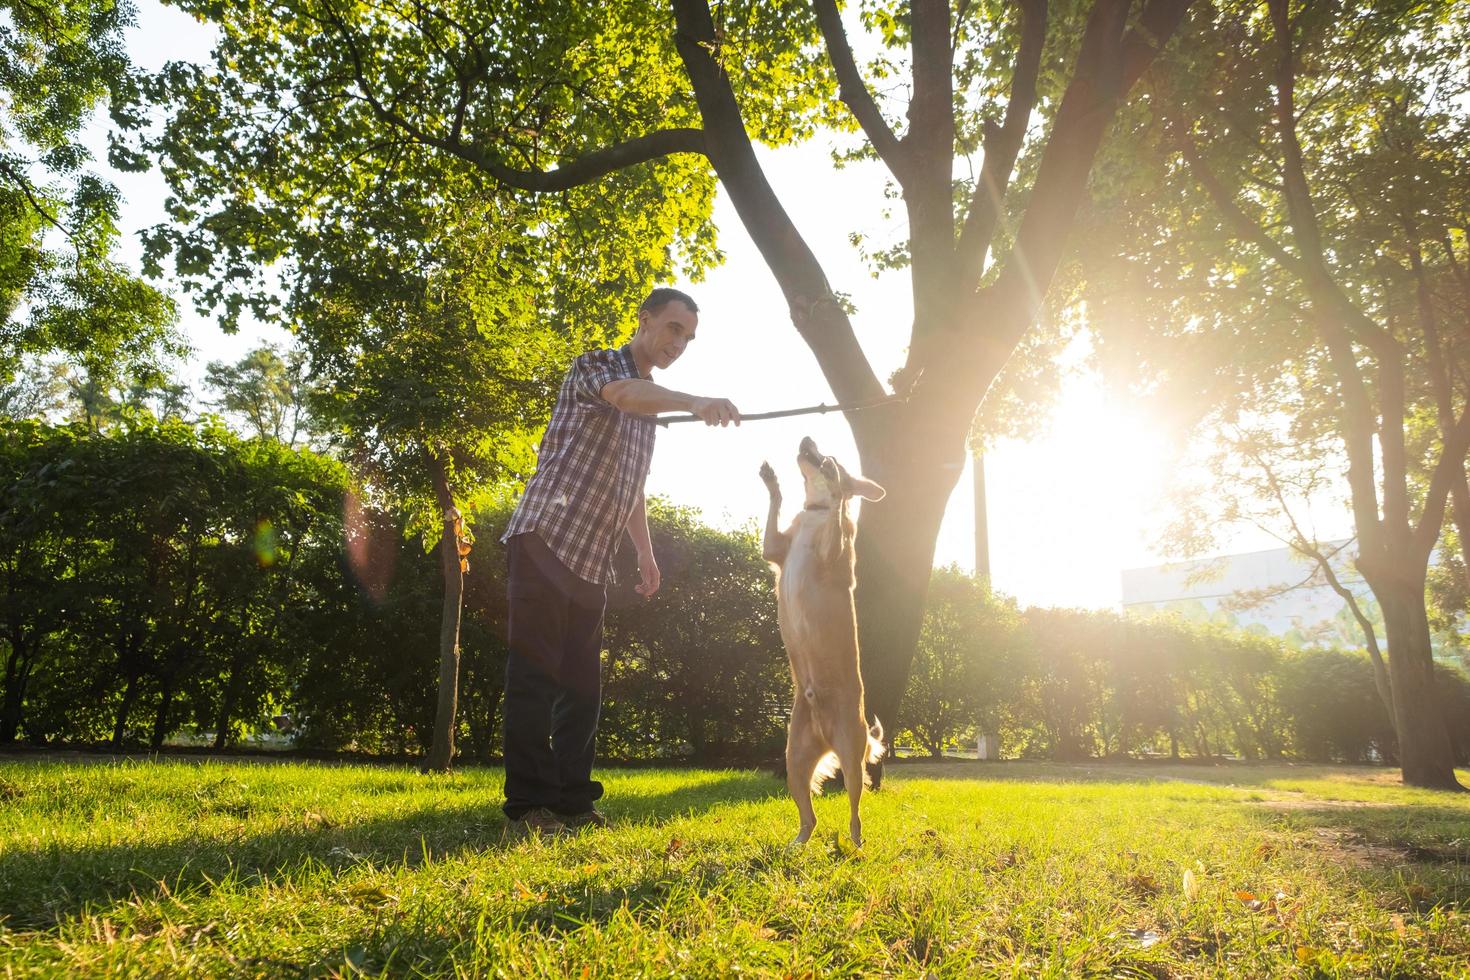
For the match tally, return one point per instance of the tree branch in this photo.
(1002, 146)
(587, 168)
(1308, 547)
(27, 189)
(1451, 466)
(815, 310)
(1300, 209)
(854, 92)
(1242, 225)
(584, 170)
(1087, 109)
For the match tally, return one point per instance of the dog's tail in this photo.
(829, 764)
(876, 748)
(827, 767)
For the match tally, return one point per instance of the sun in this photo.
(1071, 508)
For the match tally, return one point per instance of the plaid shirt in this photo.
(590, 470)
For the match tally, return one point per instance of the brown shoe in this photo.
(592, 817)
(539, 821)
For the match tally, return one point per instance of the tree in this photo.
(616, 96)
(268, 391)
(60, 288)
(37, 388)
(435, 311)
(1311, 181)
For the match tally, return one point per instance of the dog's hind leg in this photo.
(852, 753)
(804, 749)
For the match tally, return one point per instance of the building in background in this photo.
(1275, 591)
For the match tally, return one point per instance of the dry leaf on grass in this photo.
(527, 895)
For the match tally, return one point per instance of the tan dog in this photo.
(813, 560)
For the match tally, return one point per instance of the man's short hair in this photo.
(663, 296)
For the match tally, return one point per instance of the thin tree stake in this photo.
(788, 412)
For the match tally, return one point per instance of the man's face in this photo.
(667, 332)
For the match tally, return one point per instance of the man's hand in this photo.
(648, 571)
(715, 411)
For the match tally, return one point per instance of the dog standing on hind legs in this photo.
(813, 559)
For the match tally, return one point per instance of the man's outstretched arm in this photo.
(640, 397)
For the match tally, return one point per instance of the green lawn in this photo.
(970, 869)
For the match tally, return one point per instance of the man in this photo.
(587, 492)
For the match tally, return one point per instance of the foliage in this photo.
(967, 671)
(61, 289)
(157, 567)
(698, 670)
(265, 390)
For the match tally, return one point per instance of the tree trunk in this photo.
(160, 717)
(227, 704)
(1426, 755)
(17, 672)
(441, 751)
(917, 455)
(120, 725)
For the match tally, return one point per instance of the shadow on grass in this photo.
(45, 883)
(1378, 836)
(1226, 773)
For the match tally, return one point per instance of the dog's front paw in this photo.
(768, 475)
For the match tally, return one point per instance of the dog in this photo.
(813, 561)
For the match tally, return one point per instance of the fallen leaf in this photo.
(1266, 851)
(1399, 928)
(1250, 900)
(675, 846)
(1191, 885)
(1305, 954)
(527, 895)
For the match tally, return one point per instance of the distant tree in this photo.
(268, 391)
(37, 389)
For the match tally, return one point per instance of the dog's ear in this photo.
(858, 486)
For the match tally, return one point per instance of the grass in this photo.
(970, 869)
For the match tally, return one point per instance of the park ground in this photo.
(147, 868)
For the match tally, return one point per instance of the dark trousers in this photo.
(553, 682)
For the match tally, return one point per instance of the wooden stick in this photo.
(788, 412)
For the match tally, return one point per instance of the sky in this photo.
(1068, 510)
